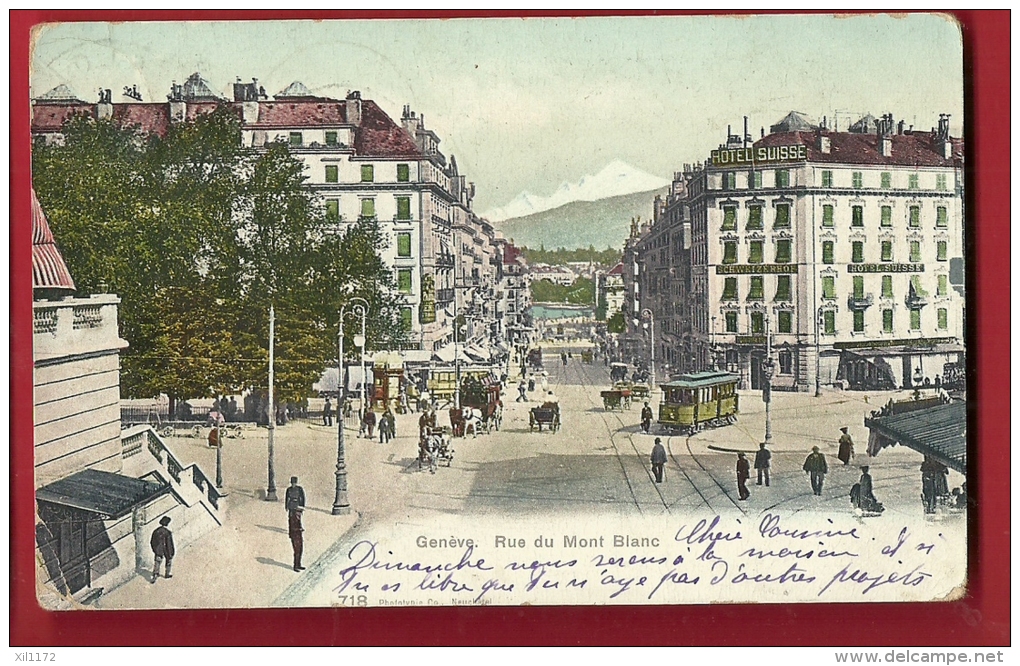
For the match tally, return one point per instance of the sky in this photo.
(526, 104)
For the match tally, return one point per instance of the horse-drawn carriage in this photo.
(481, 406)
(535, 359)
(618, 372)
(698, 400)
(548, 415)
(640, 391)
(616, 398)
(434, 448)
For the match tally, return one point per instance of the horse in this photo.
(472, 420)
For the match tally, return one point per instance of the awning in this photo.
(939, 432)
(445, 355)
(419, 356)
(105, 493)
(477, 353)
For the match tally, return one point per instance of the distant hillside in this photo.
(601, 223)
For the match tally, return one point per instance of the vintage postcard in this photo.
(546, 311)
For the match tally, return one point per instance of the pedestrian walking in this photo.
(817, 468)
(327, 413)
(369, 423)
(387, 426)
(545, 382)
(846, 446)
(743, 474)
(162, 544)
(294, 500)
(522, 395)
(658, 459)
(762, 463)
(646, 418)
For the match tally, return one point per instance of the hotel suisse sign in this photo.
(759, 155)
(885, 268)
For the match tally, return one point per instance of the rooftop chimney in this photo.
(944, 143)
(104, 110)
(885, 146)
(824, 144)
(354, 107)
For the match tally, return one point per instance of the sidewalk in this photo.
(248, 561)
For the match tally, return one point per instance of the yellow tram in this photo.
(699, 399)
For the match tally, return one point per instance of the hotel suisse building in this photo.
(846, 246)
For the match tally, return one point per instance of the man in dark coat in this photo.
(658, 459)
(295, 503)
(162, 544)
(866, 500)
(327, 413)
(817, 468)
(846, 446)
(369, 421)
(743, 474)
(646, 417)
(762, 463)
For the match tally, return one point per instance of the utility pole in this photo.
(271, 488)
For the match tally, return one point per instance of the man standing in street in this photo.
(295, 502)
(658, 459)
(162, 544)
(762, 463)
(846, 446)
(522, 388)
(646, 418)
(743, 474)
(817, 468)
(327, 413)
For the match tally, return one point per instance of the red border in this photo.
(980, 619)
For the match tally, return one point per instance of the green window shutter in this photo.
(886, 180)
(858, 286)
(403, 245)
(754, 217)
(941, 250)
(858, 252)
(404, 281)
(858, 321)
(783, 288)
(858, 180)
(367, 173)
(828, 286)
(405, 318)
(943, 315)
(858, 216)
(827, 215)
(332, 173)
(757, 291)
(886, 250)
(729, 222)
(757, 322)
(403, 173)
(829, 322)
(940, 182)
(296, 139)
(887, 321)
(915, 319)
(403, 208)
(782, 216)
(757, 252)
(785, 321)
(887, 286)
(782, 178)
(756, 179)
(943, 285)
(730, 289)
(913, 181)
(783, 251)
(731, 322)
(915, 216)
(368, 208)
(827, 252)
(941, 218)
(331, 138)
(333, 209)
(915, 251)
(729, 252)
(886, 216)
(826, 179)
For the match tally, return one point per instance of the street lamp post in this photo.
(818, 354)
(271, 488)
(768, 369)
(341, 505)
(650, 316)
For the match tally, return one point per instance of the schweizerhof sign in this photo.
(759, 155)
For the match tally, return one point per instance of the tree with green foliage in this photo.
(617, 323)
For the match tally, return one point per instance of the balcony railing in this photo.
(444, 296)
(860, 302)
(445, 260)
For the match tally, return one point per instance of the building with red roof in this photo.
(847, 247)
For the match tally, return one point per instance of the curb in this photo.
(723, 449)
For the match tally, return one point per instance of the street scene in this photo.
(291, 350)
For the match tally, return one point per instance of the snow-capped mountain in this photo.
(615, 179)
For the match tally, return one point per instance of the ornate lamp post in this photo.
(818, 354)
(768, 369)
(341, 505)
(650, 316)
(271, 488)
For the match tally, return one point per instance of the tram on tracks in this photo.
(699, 400)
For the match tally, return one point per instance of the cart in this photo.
(547, 415)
